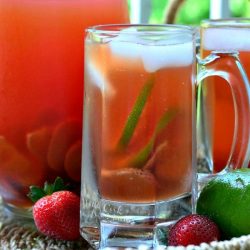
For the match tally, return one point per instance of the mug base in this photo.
(122, 225)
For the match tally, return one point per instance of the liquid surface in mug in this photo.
(41, 89)
(140, 100)
(229, 38)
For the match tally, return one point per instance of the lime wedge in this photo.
(142, 156)
(135, 114)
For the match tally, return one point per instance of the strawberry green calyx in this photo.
(37, 193)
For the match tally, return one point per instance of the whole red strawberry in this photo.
(193, 230)
(57, 214)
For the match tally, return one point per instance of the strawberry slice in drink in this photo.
(64, 135)
(129, 185)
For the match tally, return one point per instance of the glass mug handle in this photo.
(227, 66)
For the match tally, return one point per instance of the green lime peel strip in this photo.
(142, 156)
(135, 114)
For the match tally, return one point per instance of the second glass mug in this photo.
(228, 35)
(139, 148)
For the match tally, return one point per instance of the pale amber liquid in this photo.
(168, 170)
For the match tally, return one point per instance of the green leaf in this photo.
(48, 188)
(142, 156)
(36, 193)
(58, 184)
(135, 114)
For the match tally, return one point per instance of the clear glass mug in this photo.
(139, 150)
(217, 139)
(41, 91)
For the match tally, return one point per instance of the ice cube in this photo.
(126, 49)
(226, 39)
(155, 54)
(158, 57)
(126, 44)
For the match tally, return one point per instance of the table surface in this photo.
(19, 235)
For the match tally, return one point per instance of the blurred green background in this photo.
(193, 11)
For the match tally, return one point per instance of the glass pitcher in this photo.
(41, 91)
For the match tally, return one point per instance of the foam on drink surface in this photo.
(226, 39)
(155, 54)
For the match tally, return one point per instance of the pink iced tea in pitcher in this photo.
(41, 89)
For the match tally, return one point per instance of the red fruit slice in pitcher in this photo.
(64, 135)
(17, 169)
(38, 142)
(72, 162)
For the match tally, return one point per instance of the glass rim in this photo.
(226, 22)
(114, 29)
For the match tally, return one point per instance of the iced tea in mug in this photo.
(223, 35)
(135, 115)
(41, 89)
(139, 149)
(138, 130)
